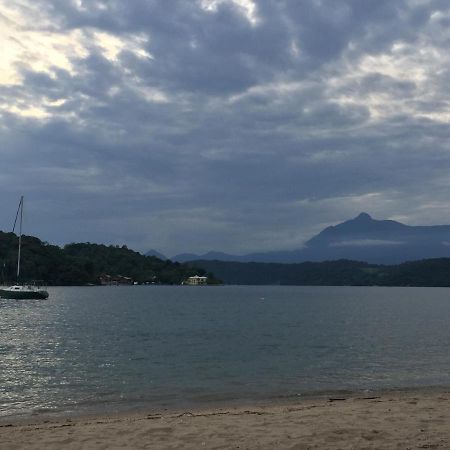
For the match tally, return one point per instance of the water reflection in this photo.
(116, 346)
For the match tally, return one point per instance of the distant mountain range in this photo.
(361, 239)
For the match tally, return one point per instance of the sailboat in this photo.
(19, 291)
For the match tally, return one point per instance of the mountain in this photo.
(210, 256)
(378, 241)
(156, 254)
(361, 239)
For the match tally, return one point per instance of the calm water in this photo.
(113, 348)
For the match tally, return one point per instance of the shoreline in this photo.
(143, 407)
(404, 418)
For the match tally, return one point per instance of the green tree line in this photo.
(427, 272)
(84, 263)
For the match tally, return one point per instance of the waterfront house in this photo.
(195, 280)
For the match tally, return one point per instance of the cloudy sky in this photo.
(234, 125)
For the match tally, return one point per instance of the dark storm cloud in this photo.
(223, 131)
(193, 49)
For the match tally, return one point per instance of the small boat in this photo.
(27, 291)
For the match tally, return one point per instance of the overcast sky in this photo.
(233, 125)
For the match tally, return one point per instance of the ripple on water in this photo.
(116, 347)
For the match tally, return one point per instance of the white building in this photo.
(195, 280)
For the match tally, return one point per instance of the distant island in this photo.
(86, 263)
(362, 238)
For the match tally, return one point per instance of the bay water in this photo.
(118, 348)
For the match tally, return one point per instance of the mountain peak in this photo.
(363, 216)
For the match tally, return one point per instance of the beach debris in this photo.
(186, 414)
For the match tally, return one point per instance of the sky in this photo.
(232, 125)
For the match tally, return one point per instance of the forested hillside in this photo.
(427, 272)
(79, 264)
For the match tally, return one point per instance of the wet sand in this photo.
(394, 420)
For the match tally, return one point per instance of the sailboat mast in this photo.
(20, 236)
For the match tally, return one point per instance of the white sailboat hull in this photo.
(23, 293)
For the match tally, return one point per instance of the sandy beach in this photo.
(401, 420)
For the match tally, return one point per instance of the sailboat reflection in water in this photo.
(22, 291)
